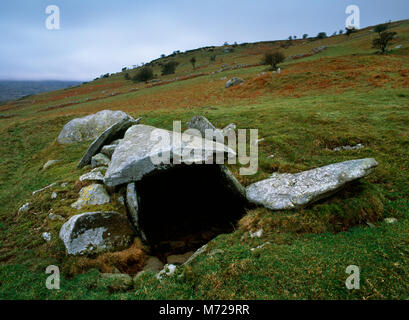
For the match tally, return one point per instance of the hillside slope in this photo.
(344, 95)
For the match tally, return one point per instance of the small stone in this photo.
(94, 194)
(54, 217)
(54, 195)
(168, 270)
(256, 234)
(391, 220)
(234, 82)
(45, 188)
(92, 176)
(49, 163)
(24, 208)
(47, 236)
(99, 160)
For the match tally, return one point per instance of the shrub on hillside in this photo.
(193, 62)
(350, 30)
(143, 75)
(322, 35)
(273, 59)
(127, 76)
(169, 67)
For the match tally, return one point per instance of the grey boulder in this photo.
(96, 232)
(116, 130)
(89, 127)
(95, 194)
(289, 191)
(234, 82)
(143, 147)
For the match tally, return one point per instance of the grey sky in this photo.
(97, 37)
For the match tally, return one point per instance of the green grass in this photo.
(309, 248)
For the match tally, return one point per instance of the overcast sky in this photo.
(97, 37)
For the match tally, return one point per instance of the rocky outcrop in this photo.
(96, 232)
(288, 191)
(89, 127)
(94, 194)
(139, 153)
(117, 130)
(234, 82)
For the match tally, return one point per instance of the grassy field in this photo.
(345, 95)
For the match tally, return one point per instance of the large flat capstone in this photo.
(89, 127)
(96, 232)
(288, 191)
(145, 149)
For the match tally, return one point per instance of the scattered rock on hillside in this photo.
(24, 208)
(94, 194)
(55, 217)
(358, 146)
(168, 270)
(96, 232)
(99, 160)
(49, 164)
(45, 188)
(89, 127)
(234, 82)
(288, 191)
(115, 131)
(133, 157)
(391, 220)
(46, 236)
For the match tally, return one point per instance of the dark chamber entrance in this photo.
(184, 207)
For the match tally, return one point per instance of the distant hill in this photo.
(12, 90)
